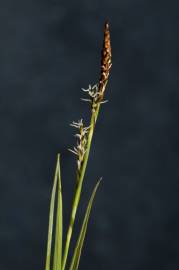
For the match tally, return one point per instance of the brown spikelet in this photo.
(106, 57)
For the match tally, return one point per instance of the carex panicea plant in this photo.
(95, 96)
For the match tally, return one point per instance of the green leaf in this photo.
(57, 259)
(51, 217)
(77, 253)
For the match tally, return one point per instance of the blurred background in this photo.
(49, 50)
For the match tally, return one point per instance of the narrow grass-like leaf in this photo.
(51, 217)
(57, 259)
(77, 253)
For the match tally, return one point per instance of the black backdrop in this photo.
(50, 49)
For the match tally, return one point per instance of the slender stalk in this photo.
(78, 189)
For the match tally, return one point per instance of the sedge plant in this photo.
(57, 255)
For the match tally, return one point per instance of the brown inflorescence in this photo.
(106, 59)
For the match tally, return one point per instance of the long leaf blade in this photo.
(57, 259)
(77, 253)
(51, 217)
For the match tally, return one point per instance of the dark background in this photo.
(50, 49)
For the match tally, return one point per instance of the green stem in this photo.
(78, 189)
